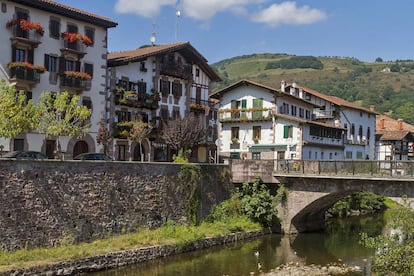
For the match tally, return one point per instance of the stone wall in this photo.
(43, 203)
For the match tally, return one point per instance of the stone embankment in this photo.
(297, 269)
(129, 257)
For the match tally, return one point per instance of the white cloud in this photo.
(287, 13)
(145, 8)
(275, 15)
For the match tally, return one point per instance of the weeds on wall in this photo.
(190, 187)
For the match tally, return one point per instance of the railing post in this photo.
(372, 168)
(303, 166)
(319, 167)
(336, 168)
(353, 167)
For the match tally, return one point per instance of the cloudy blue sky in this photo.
(220, 29)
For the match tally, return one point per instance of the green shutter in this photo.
(285, 131)
(244, 103)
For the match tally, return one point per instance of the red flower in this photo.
(78, 75)
(72, 37)
(26, 25)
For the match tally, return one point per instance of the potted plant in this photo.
(26, 65)
(26, 25)
(77, 75)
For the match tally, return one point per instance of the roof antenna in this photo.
(153, 37)
(178, 14)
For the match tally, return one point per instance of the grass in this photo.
(168, 234)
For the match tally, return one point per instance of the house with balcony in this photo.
(394, 139)
(157, 83)
(358, 122)
(261, 122)
(48, 46)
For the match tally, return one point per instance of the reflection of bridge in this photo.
(314, 186)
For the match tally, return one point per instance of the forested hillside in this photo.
(387, 85)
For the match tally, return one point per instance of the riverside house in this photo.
(157, 83)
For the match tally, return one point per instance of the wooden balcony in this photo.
(76, 49)
(178, 70)
(245, 115)
(72, 84)
(23, 38)
(25, 75)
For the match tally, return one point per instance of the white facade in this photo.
(283, 122)
(57, 55)
(358, 123)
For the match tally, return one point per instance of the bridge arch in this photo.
(310, 197)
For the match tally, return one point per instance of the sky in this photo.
(221, 29)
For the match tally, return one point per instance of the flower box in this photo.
(73, 37)
(26, 65)
(77, 75)
(26, 25)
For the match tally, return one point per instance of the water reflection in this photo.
(338, 243)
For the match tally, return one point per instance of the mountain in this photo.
(389, 86)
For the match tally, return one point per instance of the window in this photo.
(177, 89)
(51, 63)
(257, 133)
(307, 116)
(368, 133)
(198, 95)
(256, 155)
(124, 116)
(359, 155)
(348, 155)
(257, 104)
(86, 101)
(89, 32)
(197, 72)
(121, 152)
(165, 88)
(19, 55)
(54, 28)
(88, 68)
(287, 131)
(352, 129)
(142, 87)
(235, 133)
(301, 112)
(360, 132)
(293, 110)
(18, 144)
(142, 67)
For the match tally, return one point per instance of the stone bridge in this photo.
(312, 194)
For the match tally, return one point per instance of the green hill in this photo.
(364, 83)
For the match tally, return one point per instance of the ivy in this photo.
(190, 187)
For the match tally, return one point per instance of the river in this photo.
(339, 243)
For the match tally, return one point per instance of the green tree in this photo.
(61, 115)
(17, 114)
(378, 59)
(394, 254)
(405, 112)
(139, 132)
(257, 202)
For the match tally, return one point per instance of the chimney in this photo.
(382, 124)
(372, 108)
(282, 85)
(400, 124)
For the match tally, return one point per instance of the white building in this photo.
(67, 42)
(357, 122)
(163, 82)
(261, 122)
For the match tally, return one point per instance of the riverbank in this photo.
(128, 257)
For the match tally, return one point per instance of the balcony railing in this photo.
(175, 69)
(29, 37)
(239, 115)
(25, 74)
(75, 83)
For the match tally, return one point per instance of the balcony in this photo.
(245, 115)
(76, 48)
(178, 70)
(25, 75)
(73, 84)
(22, 37)
(133, 99)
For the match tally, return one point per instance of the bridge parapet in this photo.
(354, 168)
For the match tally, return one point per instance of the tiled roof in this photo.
(142, 53)
(332, 99)
(385, 123)
(185, 48)
(394, 135)
(57, 8)
(271, 90)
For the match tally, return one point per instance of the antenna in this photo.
(153, 35)
(178, 14)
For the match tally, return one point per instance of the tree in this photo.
(103, 137)
(139, 132)
(405, 112)
(183, 133)
(17, 114)
(378, 59)
(60, 115)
